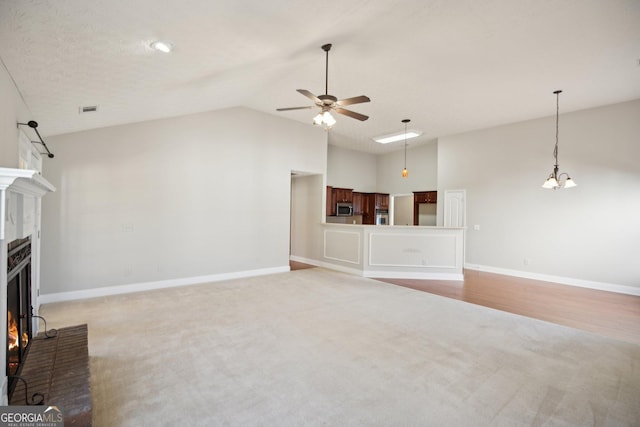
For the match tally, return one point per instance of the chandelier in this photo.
(558, 180)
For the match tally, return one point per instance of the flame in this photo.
(14, 334)
(13, 331)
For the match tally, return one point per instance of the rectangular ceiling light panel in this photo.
(386, 139)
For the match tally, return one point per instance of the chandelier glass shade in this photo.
(324, 118)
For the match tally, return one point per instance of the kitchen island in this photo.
(410, 252)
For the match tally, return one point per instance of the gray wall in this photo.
(351, 169)
(382, 173)
(197, 195)
(590, 232)
(12, 111)
(307, 214)
(422, 164)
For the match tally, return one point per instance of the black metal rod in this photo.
(48, 333)
(34, 125)
(36, 398)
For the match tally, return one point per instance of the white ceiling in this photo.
(450, 66)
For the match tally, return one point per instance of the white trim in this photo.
(421, 236)
(25, 181)
(149, 286)
(602, 286)
(327, 265)
(380, 274)
(357, 261)
(341, 269)
(412, 275)
(305, 260)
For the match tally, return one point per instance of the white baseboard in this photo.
(327, 265)
(305, 260)
(413, 275)
(148, 286)
(380, 274)
(602, 286)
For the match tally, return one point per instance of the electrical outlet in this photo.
(476, 227)
(527, 261)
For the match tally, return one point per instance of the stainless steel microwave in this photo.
(344, 209)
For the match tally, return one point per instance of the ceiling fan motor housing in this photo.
(327, 99)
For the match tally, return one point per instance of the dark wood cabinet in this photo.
(331, 203)
(364, 204)
(425, 197)
(337, 195)
(368, 208)
(357, 203)
(372, 202)
(382, 201)
(343, 195)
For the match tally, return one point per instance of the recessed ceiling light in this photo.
(398, 136)
(162, 46)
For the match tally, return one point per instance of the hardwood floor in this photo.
(295, 265)
(604, 313)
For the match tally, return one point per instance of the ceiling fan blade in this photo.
(309, 95)
(351, 114)
(355, 100)
(295, 108)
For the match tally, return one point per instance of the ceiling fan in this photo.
(328, 103)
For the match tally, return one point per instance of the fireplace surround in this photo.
(21, 192)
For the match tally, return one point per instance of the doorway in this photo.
(402, 209)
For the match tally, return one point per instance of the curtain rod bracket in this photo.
(34, 125)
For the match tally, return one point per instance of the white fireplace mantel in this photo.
(21, 192)
(29, 180)
(21, 182)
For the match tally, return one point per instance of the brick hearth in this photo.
(58, 368)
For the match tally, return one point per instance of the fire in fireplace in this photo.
(19, 309)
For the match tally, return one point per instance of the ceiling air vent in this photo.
(88, 109)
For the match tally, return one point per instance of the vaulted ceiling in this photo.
(449, 66)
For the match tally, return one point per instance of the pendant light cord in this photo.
(405, 145)
(555, 150)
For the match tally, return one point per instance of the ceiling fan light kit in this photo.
(556, 180)
(328, 103)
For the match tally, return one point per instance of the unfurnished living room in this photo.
(240, 213)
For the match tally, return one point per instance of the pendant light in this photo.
(556, 180)
(405, 172)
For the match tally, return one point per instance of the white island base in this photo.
(400, 252)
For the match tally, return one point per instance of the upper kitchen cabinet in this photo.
(343, 195)
(425, 197)
(382, 201)
(337, 195)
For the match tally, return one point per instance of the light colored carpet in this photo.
(319, 348)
